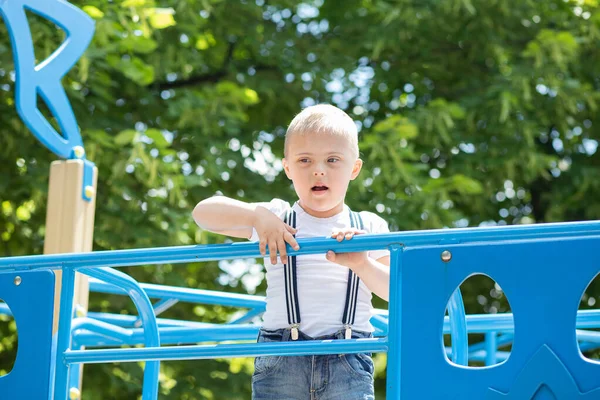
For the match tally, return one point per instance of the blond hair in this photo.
(323, 119)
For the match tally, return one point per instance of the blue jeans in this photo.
(324, 377)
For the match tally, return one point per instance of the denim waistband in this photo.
(284, 335)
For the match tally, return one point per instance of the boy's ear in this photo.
(286, 167)
(356, 169)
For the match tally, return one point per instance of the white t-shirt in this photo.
(321, 283)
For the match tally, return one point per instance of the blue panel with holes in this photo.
(542, 280)
(30, 296)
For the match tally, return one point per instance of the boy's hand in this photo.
(353, 261)
(274, 233)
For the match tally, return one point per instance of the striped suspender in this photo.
(353, 285)
(291, 285)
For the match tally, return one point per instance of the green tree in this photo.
(471, 112)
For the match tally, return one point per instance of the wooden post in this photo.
(69, 225)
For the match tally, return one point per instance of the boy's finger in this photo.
(293, 231)
(291, 240)
(340, 236)
(273, 252)
(330, 256)
(349, 235)
(282, 251)
(262, 247)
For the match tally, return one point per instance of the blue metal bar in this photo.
(458, 329)
(101, 335)
(480, 356)
(248, 316)
(491, 348)
(144, 307)
(188, 295)
(395, 324)
(585, 346)
(103, 329)
(183, 254)
(74, 376)
(588, 336)
(482, 323)
(502, 340)
(380, 324)
(161, 306)
(64, 333)
(127, 321)
(228, 351)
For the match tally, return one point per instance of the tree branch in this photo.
(207, 78)
(194, 80)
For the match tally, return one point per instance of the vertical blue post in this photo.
(395, 324)
(64, 332)
(490, 348)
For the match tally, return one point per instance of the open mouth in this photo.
(319, 188)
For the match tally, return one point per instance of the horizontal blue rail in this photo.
(227, 351)
(186, 254)
(186, 294)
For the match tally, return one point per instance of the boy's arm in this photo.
(376, 275)
(236, 218)
(226, 216)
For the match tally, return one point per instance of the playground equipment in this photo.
(545, 363)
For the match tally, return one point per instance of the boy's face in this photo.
(321, 166)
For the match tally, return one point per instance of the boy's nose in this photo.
(319, 173)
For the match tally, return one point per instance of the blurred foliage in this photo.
(471, 113)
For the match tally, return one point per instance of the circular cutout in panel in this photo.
(588, 321)
(8, 339)
(486, 307)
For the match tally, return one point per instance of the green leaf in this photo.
(205, 41)
(505, 100)
(398, 127)
(133, 3)
(126, 137)
(138, 44)
(465, 185)
(136, 70)
(161, 18)
(157, 137)
(93, 12)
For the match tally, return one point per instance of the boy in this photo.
(314, 296)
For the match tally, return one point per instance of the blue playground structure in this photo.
(545, 363)
(543, 269)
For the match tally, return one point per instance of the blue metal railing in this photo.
(95, 264)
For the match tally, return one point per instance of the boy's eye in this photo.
(332, 160)
(303, 160)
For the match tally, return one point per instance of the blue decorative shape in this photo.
(544, 377)
(32, 304)
(44, 79)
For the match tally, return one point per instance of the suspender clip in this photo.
(295, 331)
(348, 332)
